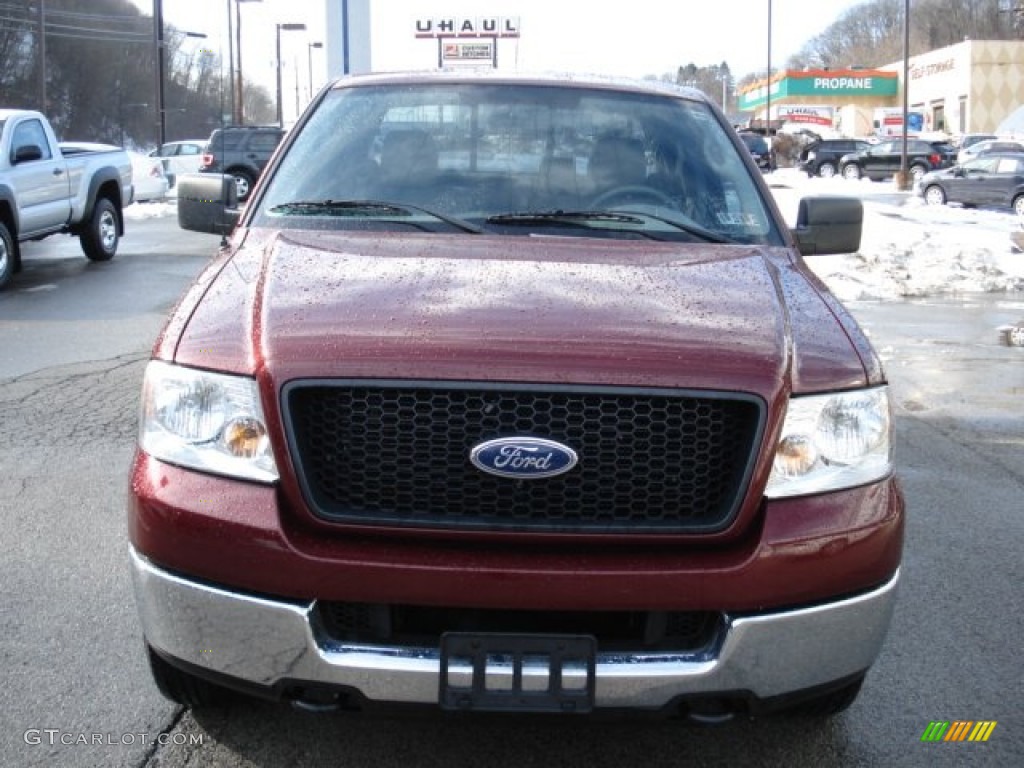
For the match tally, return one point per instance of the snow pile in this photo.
(908, 248)
(151, 209)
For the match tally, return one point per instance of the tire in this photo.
(1018, 205)
(244, 182)
(917, 172)
(829, 704)
(183, 688)
(100, 237)
(934, 195)
(851, 171)
(8, 255)
(826, 170)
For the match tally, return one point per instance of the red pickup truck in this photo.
(514, 393)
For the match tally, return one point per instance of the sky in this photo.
(640, 38)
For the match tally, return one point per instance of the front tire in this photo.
(8, 255)
(100, 237)
(851, 171)
(935, 196)
(1018, 205)
(243, 184)
(826, 170)
(183, 688)
(917, 172)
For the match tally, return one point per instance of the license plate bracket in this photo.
(490, 672)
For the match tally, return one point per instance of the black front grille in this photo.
(649, 461)
(411, 626)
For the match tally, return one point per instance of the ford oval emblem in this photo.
(523, 458)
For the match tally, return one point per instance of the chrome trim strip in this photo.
(263, 641)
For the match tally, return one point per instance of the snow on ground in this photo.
(908, 248)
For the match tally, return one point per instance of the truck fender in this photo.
(105, 182)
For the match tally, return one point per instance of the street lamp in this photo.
(158, 50)
(768, 82)
(902, 178)
(311, 47)
(237, 102)
(285, 28)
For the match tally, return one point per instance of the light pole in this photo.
(42, 57)
(158, 51)
(286, 28)
(237, 101)
(768, 83)
(902, 180)
(311, 47)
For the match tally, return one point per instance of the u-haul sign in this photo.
(477, 26)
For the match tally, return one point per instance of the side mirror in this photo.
(27, 153)
(207, 202)
(959, 170)
(829, 224)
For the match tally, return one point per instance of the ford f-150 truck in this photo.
(44, 190)
(512, 393)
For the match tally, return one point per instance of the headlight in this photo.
(207, 421)
(811, 155)
(833, 441)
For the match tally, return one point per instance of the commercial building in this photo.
(969, 87)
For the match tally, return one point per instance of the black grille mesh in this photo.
(400, 455)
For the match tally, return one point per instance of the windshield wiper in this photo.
(558, 217)
(578, 218)
(367, 208)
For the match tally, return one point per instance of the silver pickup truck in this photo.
(45, 190)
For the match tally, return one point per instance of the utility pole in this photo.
(158, 51)
(42, 56)
(902, 179)
(231, 70)
(768, 85)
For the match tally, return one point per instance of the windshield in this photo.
(516, 159)
(755, 143)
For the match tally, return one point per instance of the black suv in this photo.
(242, 151)
(882, 161)
(760, 150)
(821, 158)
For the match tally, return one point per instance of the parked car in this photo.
(48, 188)
(760, 149)
(883, 160)
(185, 156)
(989, 146)
(453, 417)
(242, 152)
(822, 157)
(149, 180)
(990, 180)
(968, 139)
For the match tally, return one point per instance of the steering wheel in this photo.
(632, 191)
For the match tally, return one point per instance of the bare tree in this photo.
(871, 34)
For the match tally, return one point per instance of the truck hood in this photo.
(518, 309)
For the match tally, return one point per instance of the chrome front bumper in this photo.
(264, 642)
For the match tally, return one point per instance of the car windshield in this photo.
(754, 142)
(517, 159)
